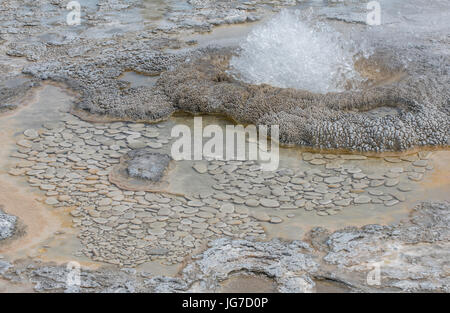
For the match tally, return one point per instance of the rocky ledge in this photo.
(147, 165)
(411, 256)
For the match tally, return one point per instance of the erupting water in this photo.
(293, 51)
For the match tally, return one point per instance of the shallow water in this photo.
(138, 80)
(290, 157)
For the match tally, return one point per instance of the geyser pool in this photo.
(292, 50)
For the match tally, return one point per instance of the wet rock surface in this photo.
(72, 162)
(12, 89)
(411, 256)
(334, 120)
(7, 224)
(147, 165)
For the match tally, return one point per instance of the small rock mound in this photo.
(147, 165)
(7, 225)
(141, 170)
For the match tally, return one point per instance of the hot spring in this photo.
(293, 50)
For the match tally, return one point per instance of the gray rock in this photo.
(147, 165)
(4, 266)
(252, 202)
(420, 163)
(269, 203)
(261, 216)
(31, 133)
(157, 251)
(390, 182)
(227, 208)
(343, 202)
(362, 199)
(7, 225)
(333, 180)
(416, 249)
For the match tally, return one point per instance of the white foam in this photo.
(292, 50)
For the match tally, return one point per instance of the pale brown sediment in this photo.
(39, 223)
(17, 198)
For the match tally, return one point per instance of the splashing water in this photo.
(293, 51)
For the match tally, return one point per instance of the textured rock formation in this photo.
(142, 170)
(147, 165)
(7, 225)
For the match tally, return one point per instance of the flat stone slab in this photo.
(252, 202)
(334, 180)
(200, 167)
(362, 199)
(269, 203)
(261, 216)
